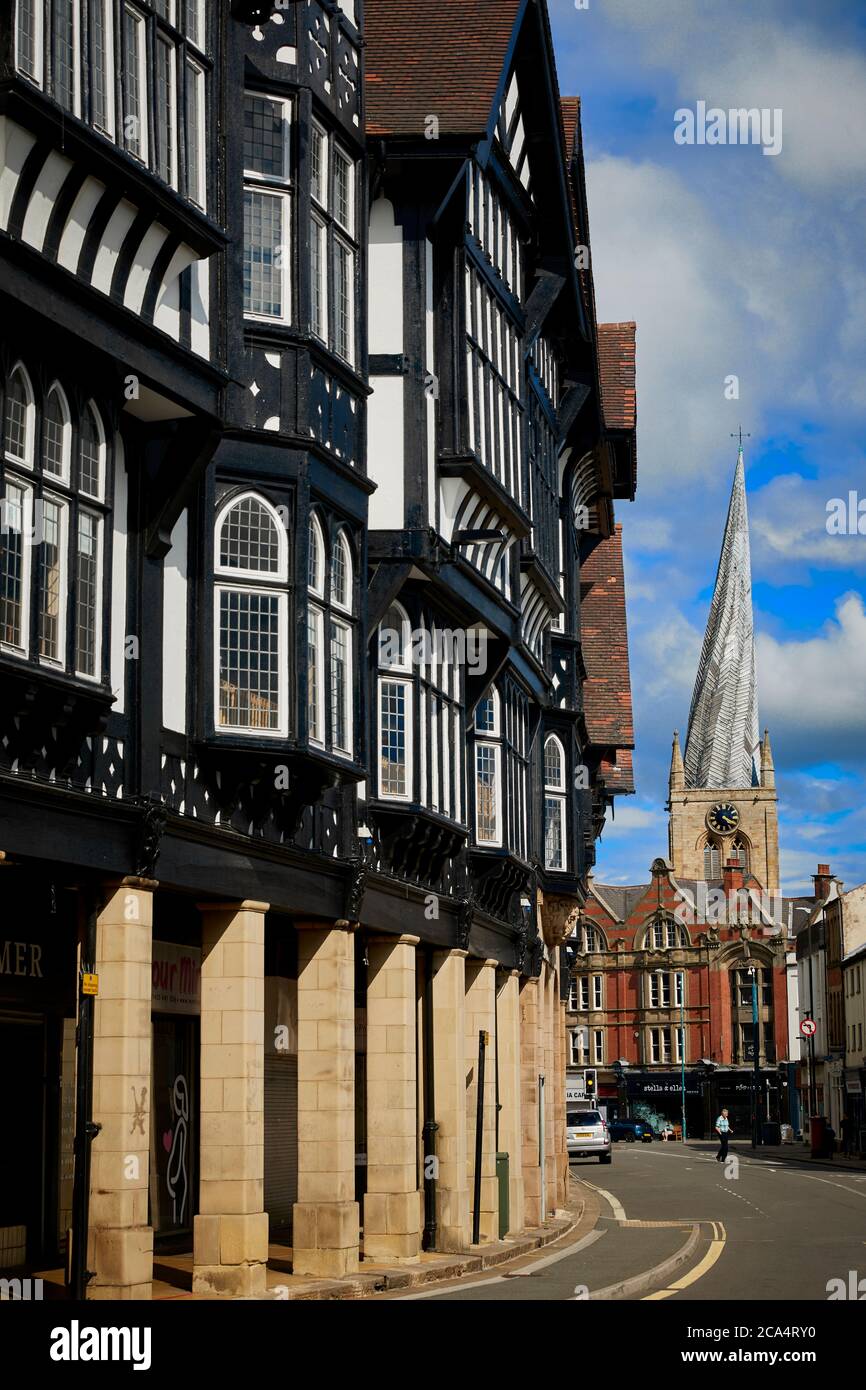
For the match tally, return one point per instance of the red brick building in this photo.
(661, 983)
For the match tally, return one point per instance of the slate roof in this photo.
(443, 59)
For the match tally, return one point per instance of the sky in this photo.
(736, 263)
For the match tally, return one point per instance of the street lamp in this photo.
(683, 1045)
(756, 1052)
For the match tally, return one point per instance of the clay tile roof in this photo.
(604, 635)
(442, 59)
(570, 117)
(616, 356)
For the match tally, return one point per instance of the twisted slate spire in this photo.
(722, 741)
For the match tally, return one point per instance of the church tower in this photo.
(722, 793)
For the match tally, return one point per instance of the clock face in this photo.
(724, 818)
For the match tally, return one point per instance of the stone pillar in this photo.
(481, 1015)
(530, 1065)
(120, 1244)
(231, 1230)
(549, 1003)
(510, 1124)
(326, 1225)
(559, 1105)
(392, 1228)
(449, 1105)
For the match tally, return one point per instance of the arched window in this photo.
(664, 934)
(91, 453)
(739, 853)
(251, 617)
(56, 435)
(712, 861)
(395, 707)
(340, 647)
(588, 939)
(488, 771)
(316, 569)
(330, 642)
(395, 639)
(18, 418)
(341, 575)
(315, 633)
(554, 804)
(52, 556)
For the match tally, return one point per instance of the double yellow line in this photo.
(717, 1245)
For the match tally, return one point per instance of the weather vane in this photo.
(740, 435)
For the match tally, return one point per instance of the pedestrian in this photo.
(847, 1130)
(723, 1130)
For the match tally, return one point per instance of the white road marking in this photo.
(589, 1239)
(616, 1206)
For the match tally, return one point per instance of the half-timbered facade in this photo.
(303, 442)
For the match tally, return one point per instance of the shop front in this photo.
(38, 954)
(657, 1098)
(176, 1007)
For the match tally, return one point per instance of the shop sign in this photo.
(38, 971)
(649, 1084)
(176, 978)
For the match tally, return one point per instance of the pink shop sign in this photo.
(176, 979)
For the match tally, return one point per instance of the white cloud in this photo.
(815, 688)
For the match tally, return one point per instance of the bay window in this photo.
(330, 666)
(134, 81)
(53, 516)
(554, 804)
(267, 207)
(395, 707)
(157, 50)
(488, 771)
(251, 598)
(333, 243)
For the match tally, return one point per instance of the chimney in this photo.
(732, 876)
(822, 881)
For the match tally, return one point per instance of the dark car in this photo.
(630, 1131)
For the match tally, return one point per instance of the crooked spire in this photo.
(722, 741)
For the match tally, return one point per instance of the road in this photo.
(757, 1230)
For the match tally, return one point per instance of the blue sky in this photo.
(737, 263)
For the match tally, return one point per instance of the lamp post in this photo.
(683, 1046)
(756, 1122)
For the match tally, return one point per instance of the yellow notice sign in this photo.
(90, 984)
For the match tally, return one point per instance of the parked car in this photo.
(587, 1135)
(630, 1131)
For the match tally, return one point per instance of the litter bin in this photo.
(771, 1132)
(818, 1135)
(502, 1181)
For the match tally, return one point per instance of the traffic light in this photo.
(589, 1083)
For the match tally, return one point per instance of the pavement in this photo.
(672, 1224)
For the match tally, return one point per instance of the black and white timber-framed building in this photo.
(303, 441)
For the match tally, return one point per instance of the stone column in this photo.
(549, 1004)
(231, 1229)
(559, 1102)
(326, 1225)
(481, 1015)
(449, 1105)
(510, 1125)
(120, 1244)
(530, 1065)
(392, 1229)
